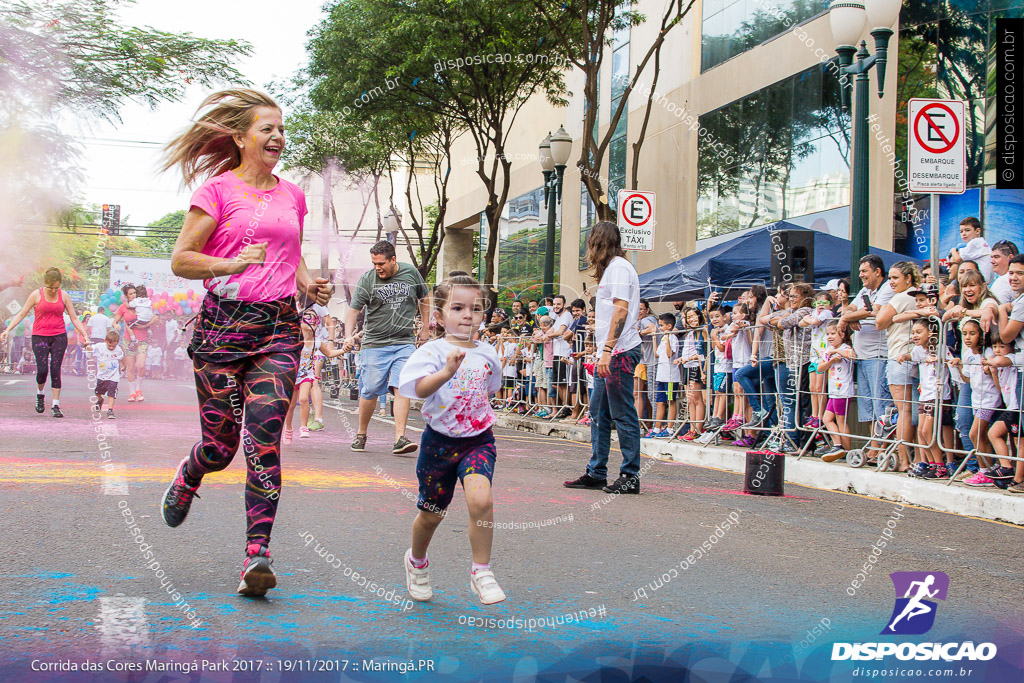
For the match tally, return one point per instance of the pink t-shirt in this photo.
(246, 215)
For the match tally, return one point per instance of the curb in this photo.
(960, 500)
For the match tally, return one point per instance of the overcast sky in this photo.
(121, 166)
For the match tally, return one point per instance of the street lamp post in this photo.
(392, 221)
(554, 155)
(847, 18)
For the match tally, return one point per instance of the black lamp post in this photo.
(847, 18)
(554, 155)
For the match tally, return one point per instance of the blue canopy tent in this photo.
(736, 264)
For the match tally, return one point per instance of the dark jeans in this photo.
(612, 401)
(792, 413)
(49, 352)
(758, 383)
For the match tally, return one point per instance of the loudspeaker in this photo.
(792, 254)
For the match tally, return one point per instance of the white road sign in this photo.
(636, 220)
(13, 307)
(936, 150)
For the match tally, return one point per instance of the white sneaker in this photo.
(486, 587)
(417, 580)
(705, 438)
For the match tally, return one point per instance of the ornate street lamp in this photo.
(553, 154)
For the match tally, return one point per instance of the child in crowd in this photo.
(509, 354)
(109, 358)
(545, 352)
(1004, 364)
(722, 369)
(179, 361)
(589, 360)
(693, 373)
(306, 376)
(837, 362)
(667, 377)
(985, 395)
(738, 336)
(817, 321)
(975, 247)
(455, 376)
(933, 374)
(524, 368)
(154, 361)
(142, 305)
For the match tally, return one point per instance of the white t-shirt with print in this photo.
(108, 363)
(931, 374)
(461, 407)
(723, 365)
(508, 349)
(840, 374)
(1008, 382)
(819, 335)
(619, 281)
(668, 350)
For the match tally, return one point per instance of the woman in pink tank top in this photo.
(49, 339)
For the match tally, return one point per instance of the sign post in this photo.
(938, 162)
(636, 219)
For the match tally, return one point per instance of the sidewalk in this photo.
(986, 503)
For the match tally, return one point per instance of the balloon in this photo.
(110, 290)
(113, 308)
(191, 292)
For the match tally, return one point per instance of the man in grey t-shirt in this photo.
(868, 342)
(392, 293)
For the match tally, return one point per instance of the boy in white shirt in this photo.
(109, 358)
(142, 305)
(153, 361)
(976, 248)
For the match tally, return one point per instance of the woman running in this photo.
(135, 340)
(243, 234)
(49, 337)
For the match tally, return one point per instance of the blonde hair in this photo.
(206, 148)
(910, 270)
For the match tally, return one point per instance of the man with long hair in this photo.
(618, 346)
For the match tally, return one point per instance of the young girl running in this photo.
(837, 363)
(456, 376)
(307, 374)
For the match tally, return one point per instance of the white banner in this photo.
(154, 273)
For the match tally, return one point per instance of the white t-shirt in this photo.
(179, 353)
(840, 375)
(561, 347)
(985, 394)
(461, 407)
(977, 250)
(741, 350)
(723, 365)
(1008, 382)
(108, 363)
(667, 351)
(690, 349)
(99, 324)
(931, 374)
(619, 281)
(171, 331)
(508, 352)
(868, 342)
(1017, 313)
(153, 355)
(1001, 289)
(819, 336)
(143, 308)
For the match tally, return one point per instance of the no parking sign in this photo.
(938, 163)
(636, 220)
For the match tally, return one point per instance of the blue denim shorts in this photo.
(380, 368)
(900, 374)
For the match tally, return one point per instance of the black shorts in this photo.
(560, 371)
(106, 387)
(692, 375)
(508, 382)
(1010, 418)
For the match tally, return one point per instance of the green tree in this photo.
(160, 241)
(474, 62)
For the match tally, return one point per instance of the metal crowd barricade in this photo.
(884, 440)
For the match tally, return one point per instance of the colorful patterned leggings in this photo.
(49, 351)
(245, 401)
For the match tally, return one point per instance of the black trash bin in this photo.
(765, 473)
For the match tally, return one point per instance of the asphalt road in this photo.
(692, 575)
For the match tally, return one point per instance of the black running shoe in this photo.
(624, 484)
(40, 403)
(257, 575)
(56, 411)
(586, 482)
(178, 498)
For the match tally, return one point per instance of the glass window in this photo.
(731, 27)
(522, 242)
(620, 71)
